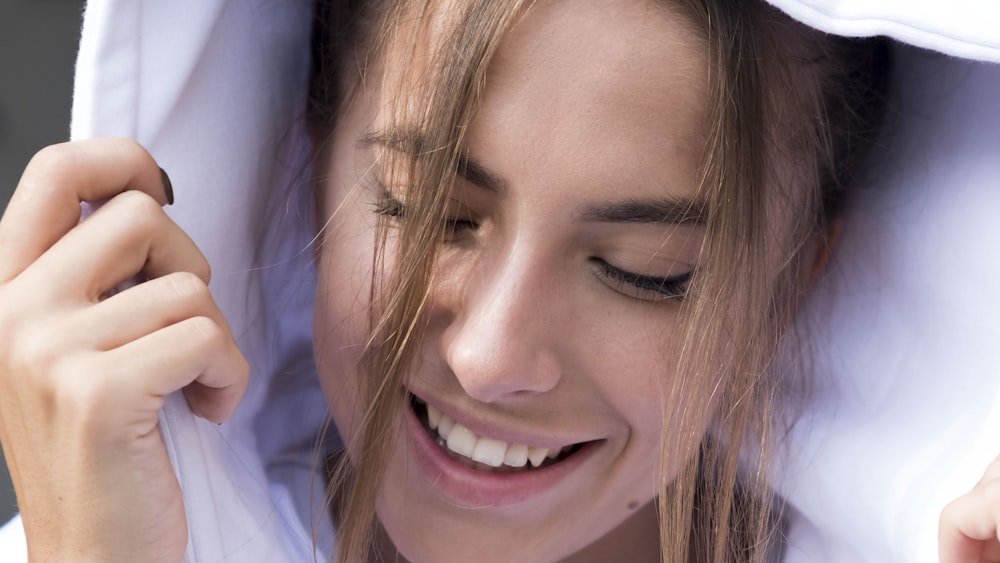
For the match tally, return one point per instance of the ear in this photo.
(818, 254)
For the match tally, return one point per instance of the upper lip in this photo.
(504, 433)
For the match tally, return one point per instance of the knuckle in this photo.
(29, 352)
(189, 287)
(52, 156)
(53, 378)
(49, 166)
(204, 269)
(64, 382)
(948, 513)
(200, 269)
(993, 469)
(77, 384)
(990, 491)
(138, 208)
(38, 372)
(209, 333)
(35, 352)
(132, 151)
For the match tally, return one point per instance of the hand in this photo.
(968, 527)
(84, 374)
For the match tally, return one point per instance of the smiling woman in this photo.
(569, 238)
(588, 244)
(560, 244)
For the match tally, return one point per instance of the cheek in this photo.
(637, 366)
(338, 337)
(640, 378)
(341, 318)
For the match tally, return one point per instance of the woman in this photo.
(534, 368)
(507, 344)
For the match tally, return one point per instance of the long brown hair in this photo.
(791, 110)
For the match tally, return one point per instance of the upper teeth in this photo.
(488, 451)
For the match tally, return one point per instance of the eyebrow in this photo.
(413, 143)
(657, 211)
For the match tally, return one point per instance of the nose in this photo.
(502, 338)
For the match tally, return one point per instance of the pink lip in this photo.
(477, 489)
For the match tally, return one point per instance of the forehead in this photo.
(613, 89)
(617, 54)
(643, 54)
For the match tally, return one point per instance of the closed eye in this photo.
(454, 226)
(388, 206)
(642, 287)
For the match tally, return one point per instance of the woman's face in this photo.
(555, 299)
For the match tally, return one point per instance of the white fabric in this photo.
(963, 28)
(907, 414)
(12, 542)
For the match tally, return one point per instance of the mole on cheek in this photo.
(633, 505)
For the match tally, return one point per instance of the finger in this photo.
(968, 526)
(194, 351)
(992, 472)
(145, 308)
(46, 203)
(129, 234)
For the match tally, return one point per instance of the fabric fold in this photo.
(962, 28)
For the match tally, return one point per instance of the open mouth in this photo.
(483, 453)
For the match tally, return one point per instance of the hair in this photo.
(792, 112)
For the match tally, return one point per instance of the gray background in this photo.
(38, 41)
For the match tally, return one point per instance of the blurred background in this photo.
(38, 40)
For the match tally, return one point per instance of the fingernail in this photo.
(168, 187)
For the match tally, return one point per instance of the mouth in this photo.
(483, 453)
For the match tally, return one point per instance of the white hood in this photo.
(907, 323)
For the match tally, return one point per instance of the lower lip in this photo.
(469, 488)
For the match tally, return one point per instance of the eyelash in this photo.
(636, 286)
(389, 206)
(643, 288)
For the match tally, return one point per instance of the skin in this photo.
(79, 429)
(576, 114)
(969, 529)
